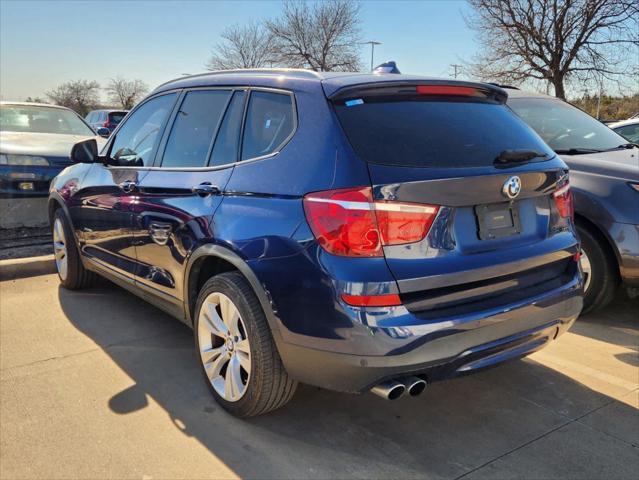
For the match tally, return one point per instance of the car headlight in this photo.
(8, 159)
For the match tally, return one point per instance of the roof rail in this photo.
(272, 71)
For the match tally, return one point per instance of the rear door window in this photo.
(269, 122)
(438, 133)
(194, 128)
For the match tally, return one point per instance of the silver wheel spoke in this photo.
(244, 360)
(243, 346)
(233, 386)
(213, 321)
(232, 320)
(210, 354)
(214, 368)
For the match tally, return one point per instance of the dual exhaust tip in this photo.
(394, 389)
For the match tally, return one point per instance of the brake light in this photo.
(446, 90)
(347, 222)
(563, 201)
(106, 124)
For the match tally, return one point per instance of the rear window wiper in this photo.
(577, 151)
(517, 156)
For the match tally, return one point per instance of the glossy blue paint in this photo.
(157, 236)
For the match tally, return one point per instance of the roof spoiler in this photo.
(388, 86)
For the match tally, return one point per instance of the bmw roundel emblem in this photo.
(511, 187)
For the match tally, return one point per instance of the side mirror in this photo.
(125, 157)
(103, 132)
(85, 151)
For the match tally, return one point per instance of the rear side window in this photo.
(432, 132)
(116, 117)
(194, 128)
(269, 122)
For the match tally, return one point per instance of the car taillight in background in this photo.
(563, 201)
(348, 222)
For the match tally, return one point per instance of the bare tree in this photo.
(555, 40)
(79, 95)
(126, 93)
(322, 36)
(249, 46)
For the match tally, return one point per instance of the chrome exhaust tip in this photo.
(414, 385)
(389, 390)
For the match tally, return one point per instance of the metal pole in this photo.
(372, 43)
(372, 54)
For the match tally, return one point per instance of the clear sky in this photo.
(44, 43)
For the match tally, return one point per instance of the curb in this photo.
(14, 268)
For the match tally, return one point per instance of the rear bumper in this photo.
(438, 349)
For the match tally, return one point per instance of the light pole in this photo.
(372, 43)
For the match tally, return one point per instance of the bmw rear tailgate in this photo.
(500, 227)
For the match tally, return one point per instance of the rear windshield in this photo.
(434, 133)
(116, 117)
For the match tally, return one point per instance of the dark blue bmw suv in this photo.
(351, 231)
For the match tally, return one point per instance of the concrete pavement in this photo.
(98, 384)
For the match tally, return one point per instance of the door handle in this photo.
(128, 186)
(205, 189)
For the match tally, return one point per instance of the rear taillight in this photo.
(563, 201)
(348, 222)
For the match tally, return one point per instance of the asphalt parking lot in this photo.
(98, 384)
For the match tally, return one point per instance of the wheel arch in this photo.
(601, 234)
(209, 260)
(55, 202)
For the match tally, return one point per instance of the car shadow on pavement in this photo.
(523, 419)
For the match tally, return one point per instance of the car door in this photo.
(105, 214)
(177, 199)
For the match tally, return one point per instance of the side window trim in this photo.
(120, 125)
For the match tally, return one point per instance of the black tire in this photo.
(604, 274)
(77, 277)
(269, 387)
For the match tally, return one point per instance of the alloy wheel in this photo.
(584, 261)
(60, 249)
(224, 346)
